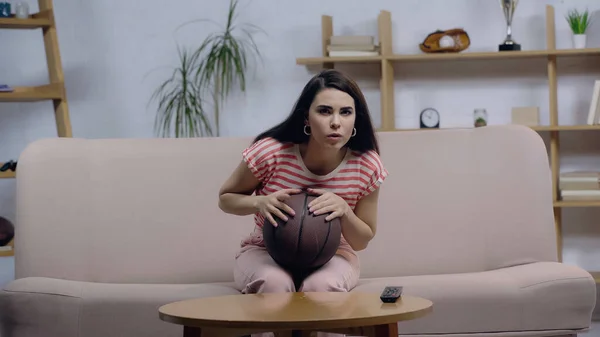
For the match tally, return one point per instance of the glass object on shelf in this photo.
(22, 10)
(480, 117)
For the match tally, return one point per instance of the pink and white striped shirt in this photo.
(280, 166)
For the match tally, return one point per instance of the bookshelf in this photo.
(386, 60)
(53, 91)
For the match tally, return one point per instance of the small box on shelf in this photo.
(528, 116)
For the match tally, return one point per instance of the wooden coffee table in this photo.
(352, 313)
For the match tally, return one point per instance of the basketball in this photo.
(306, 241)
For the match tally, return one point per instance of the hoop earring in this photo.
(353, 132)
(306, 132)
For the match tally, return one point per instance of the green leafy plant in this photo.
(480, 121)
(579, 22)
(206, 76)
(181, 109)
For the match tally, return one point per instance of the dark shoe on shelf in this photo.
(9, 165)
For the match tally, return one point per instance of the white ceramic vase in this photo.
(579, 41)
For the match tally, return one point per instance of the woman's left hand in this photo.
(328, 202)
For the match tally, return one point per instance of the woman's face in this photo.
(331, 118)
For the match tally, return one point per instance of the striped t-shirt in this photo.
(280, 166)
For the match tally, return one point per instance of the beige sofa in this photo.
(109, 230)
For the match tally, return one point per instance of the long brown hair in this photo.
(291, 129)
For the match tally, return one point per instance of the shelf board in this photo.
(526, 54)
(583, 127)
(32, 94)
(10, 252)
(577, 203)
(542, 128)
(39, 20)
(470, 56)
(7, 253)
(7, 174)
(575, 52)
(338, 59)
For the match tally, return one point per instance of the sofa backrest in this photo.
(145, 210)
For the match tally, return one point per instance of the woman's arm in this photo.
(235, 196)
(359, 226)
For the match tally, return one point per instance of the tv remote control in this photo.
(390, 294)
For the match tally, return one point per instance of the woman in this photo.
(328, 146)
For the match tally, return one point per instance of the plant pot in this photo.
(579, 41)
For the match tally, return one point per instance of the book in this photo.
(593, 113)
(351, 40)
(352, 53)
(352, 47)
(580, 194)
(579, 181)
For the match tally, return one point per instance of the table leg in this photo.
(386, 330)
(230, 332)
(284, 333)
(383, 330)
(302, 333)
(189, 331)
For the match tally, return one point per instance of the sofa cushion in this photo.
(535, 298)
(531, 297)
(41, 306)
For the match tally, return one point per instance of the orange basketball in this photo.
(306, 241)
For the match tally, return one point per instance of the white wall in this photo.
(115, 52)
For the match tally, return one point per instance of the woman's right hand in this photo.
(274, 204)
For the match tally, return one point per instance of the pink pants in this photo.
(256, 272)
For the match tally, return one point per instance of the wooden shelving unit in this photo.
(43, 19)
(33, 94)
(387, 59)
(7, 174)
(54, 90)
(526, 54)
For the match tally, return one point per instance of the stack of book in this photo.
(352, 45)
(580, 185)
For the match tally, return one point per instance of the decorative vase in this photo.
(480, 117)
(579, 41)
(22, 10)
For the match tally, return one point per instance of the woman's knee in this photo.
(337, 275)
(270, 280)
(324, 282)
(255, 271)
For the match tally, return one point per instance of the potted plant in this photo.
(204, 78)
(579, 23)
(181, 107)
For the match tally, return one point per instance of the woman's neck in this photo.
(319, 160)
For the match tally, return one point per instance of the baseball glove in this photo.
(448, 41)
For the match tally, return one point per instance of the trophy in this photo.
(509, 6)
